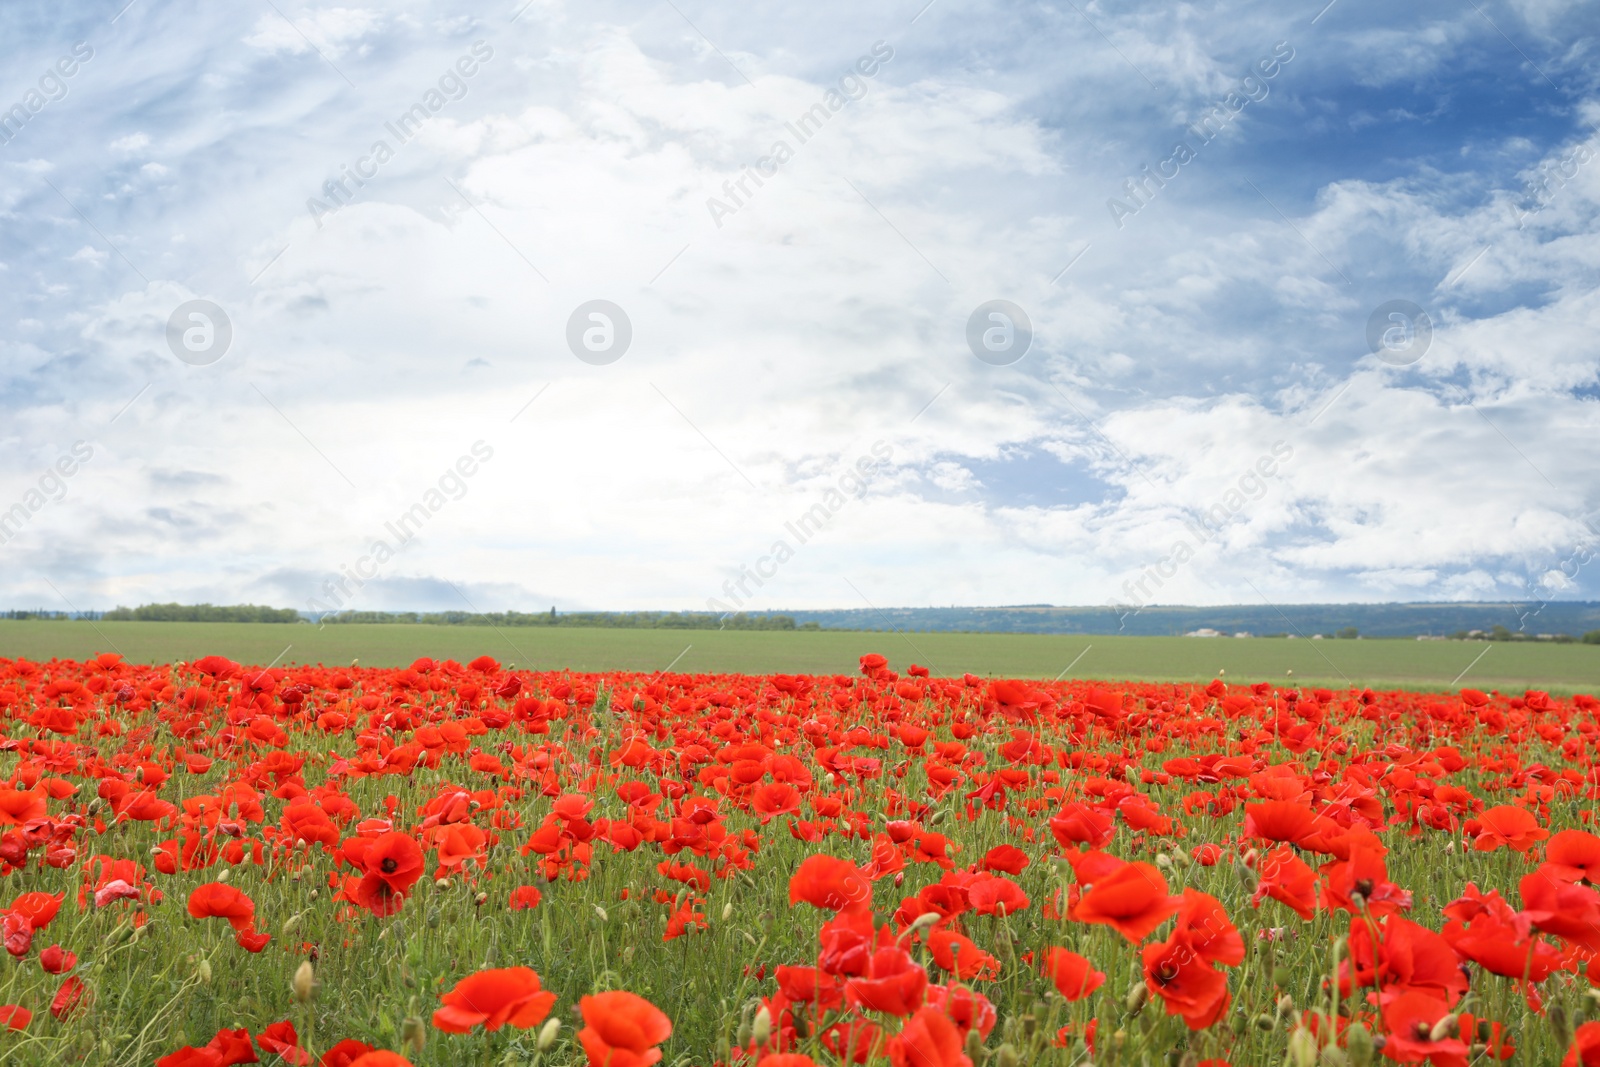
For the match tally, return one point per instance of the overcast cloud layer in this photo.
(799, 345)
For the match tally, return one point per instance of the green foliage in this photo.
(202, 613)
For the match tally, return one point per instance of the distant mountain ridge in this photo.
(1570, 617)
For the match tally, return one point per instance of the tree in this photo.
(1348, 633)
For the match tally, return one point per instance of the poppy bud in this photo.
(939, 816)
(1358, 901)
(923, 921)
(1250, 858)
(202, 971)
(441, 883)
(1007, 1056)
(1135, 1000)
(1358, 1045)
(1285, 1006)
(727, 911)
(598, 910)
(974, 1045)
(1333, 1056)
(433, 919)
(481, 899)
(1559, 1023)
(413, 1034)
(1282, 976)
(313, 895)
(1182, 858)
(761, 1030)
(222, 875)
(1163, 861)
(548, 1032)
(301, 984)
(1302, 1048)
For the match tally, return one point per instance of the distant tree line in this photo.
(625, 620)
(628, 620)
(202, 613)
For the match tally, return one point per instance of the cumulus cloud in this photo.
(392, 316)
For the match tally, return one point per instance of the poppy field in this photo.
(206, 863)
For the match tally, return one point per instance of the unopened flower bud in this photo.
(413, 1034)
(548, 1032)
(1358, 1045)
(202, 971)
(302, 982)
(727, 911)
(1007, 1056)
(481, 899)
(222, 875)
(974, 1045)
(1135, 1000)
(1560, 1023)
(761, 1029)
(1302, 1048)
(598, 910)
(1163, 861)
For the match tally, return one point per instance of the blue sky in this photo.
(1444, 155)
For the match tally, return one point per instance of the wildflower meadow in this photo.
(206, 863)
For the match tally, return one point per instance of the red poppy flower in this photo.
(1585, 1050)
(380, 1058)
(1410, 1017)
(1287, 878)
(1073, 975)
(960, 956)
(344, 1053)
(1509, 826)
(281, 1038)
(494, 998)
(525, 896)
(1132, 900)
(622, 1029)
(232, 1047)
(15, 1016)
(894, 984)
(1578, 850)
(219, 900)
(928, 1039)
(67, 998)
(1007, 859)
(58, 960)
(830, 884)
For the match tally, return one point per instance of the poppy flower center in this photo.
(1422, 1030)
(388, 866)
(1364, 886)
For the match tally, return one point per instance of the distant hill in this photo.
(1570, 617)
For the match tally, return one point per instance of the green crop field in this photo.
(1391, 663)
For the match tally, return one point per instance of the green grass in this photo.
(1393, 663)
